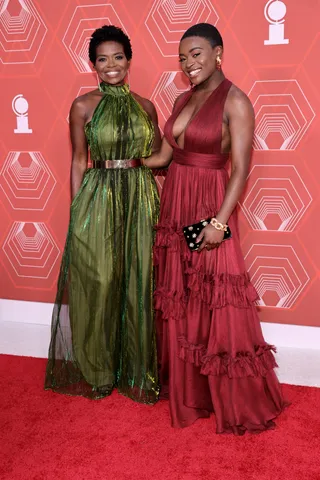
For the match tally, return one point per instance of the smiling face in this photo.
(111, 63)
(198, 58)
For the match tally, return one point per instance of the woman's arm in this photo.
(161, 158)
(150, 109)
(241, 125)
(79, 144)
(161, 150)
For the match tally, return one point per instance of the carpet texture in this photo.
(46, 436)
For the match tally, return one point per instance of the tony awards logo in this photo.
(20, 107)
(275, 11)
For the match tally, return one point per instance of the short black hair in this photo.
(207, 31)
(109, 33)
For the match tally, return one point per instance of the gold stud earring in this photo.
(218, 62)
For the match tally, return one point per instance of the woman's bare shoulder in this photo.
(238, 99)
(83, 105)
(87, 98)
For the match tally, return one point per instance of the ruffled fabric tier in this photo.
(216, 290)
(212, 352)
(243, 364)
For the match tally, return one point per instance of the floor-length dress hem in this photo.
(212, 353)
(103, 331)
(238, 430)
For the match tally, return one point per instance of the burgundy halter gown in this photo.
(212, 354)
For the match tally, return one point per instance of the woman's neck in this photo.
(211, 83)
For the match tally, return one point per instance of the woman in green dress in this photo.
(103, 333)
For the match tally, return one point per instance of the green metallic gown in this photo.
(103, 333)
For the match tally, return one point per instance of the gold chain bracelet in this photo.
(217, 225)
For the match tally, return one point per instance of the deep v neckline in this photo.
(184, 104)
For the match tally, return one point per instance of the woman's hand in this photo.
(161, 158)
(212, 238)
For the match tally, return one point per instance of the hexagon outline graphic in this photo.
(259, 140)
(21, 27)
(289, 217)
(82, 62)
(178, 19)
(167, 91)
(30, 250)
(274, 123)
(267, 281)
(27, 184)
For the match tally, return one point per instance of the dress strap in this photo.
(205, 130)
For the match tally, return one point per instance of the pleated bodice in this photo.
(120, 129)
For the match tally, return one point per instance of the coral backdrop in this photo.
(272, 52)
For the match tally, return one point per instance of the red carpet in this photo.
(46, 436)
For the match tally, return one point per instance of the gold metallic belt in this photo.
(135, 162)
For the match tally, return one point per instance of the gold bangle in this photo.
(217, 225)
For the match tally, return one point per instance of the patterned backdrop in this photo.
(272, 51)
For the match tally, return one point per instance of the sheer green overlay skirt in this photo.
(103, 333)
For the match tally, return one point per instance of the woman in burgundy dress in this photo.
(212, 354)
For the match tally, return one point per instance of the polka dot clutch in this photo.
(192, 231)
